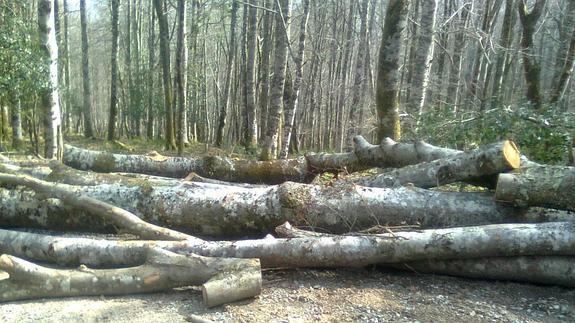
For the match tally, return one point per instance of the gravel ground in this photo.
(343, 295)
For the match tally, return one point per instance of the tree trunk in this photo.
(87, 95)
(181, 77)
(293, 100)
(505, 42)
(565, 72)
(388, 70)
(423, 56)
(160, 7)
(264, 69)
(49, 94)
(251, 126)
(151, 61)
(67, 114)
(270, 144)
(549, 186)
(16, 121)
(225, 95)
(113, 116)
(531, 66)
(234, 211)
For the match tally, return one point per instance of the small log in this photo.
(502, 240)
(124, 219)
(162, 270)
(549, 270)
(548, 186)
(467, 166)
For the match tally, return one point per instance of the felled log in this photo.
(549, 186)
(467, 166)
(224, 279)
(498, 240)
(226, 211)
(550, 270)
(302, 169)
(120, 217)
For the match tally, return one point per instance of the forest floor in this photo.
(373, 294)
(341, 295)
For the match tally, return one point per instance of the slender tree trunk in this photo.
(225, 95)
(17, 137)
(455, 69)
(503, 56)
(269, 149)
(49, 95)
(87, 105)
(531, 67)
(293, 100)
(151, 59)
(264, 69)
(160, 6)
(565, 35)
(66, 62)
(359, 77)
(181, 77)
(113, 116)
(388, 70)
(566, 71)
(251, 126)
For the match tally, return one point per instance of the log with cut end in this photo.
(302, 169)
(162, 270)
(498, 240)
(548, 186)
(467, 166)
(227, 211)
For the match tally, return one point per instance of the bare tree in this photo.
(251, 126)
(181, 77)
(87, 106)
(388, 70)
(113, 116)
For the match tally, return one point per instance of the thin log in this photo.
(162, 270)
(120, 217)
(549, 186)
(302, 169)
(225, 211)
(467, 166)
(551, 270)
(500, 240)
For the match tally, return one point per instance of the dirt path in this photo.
(367, 295)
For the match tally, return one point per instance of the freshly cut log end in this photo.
(511, 154)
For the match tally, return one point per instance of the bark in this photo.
(224, 280)
(160, 7)
(49, 95)
(293, 100)
(181, 77)
(500, 240)
(479, 163)
(16, 122)
(87, 94)
(459, 46)
(151, 59)
(251, 127)
(566, 72)
(113, 116)
(550, 270)
(531, 66)
(270, 146)
(232, 211)
(66, 62)
(226, 96)
(506, 37)
(422, 59)
(359, 78)
(549, 186)
(388, 70)
(566, 30)
(264, 68)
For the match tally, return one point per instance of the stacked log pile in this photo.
(216, 221)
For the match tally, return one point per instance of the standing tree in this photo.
(251, 126)
(49, 94)
(87, 106)
(160, 6)
(270, 145)
(293, 100)
(388, 71)
(225, 97)
(113, 116)
(531, 66)
(181, 77)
